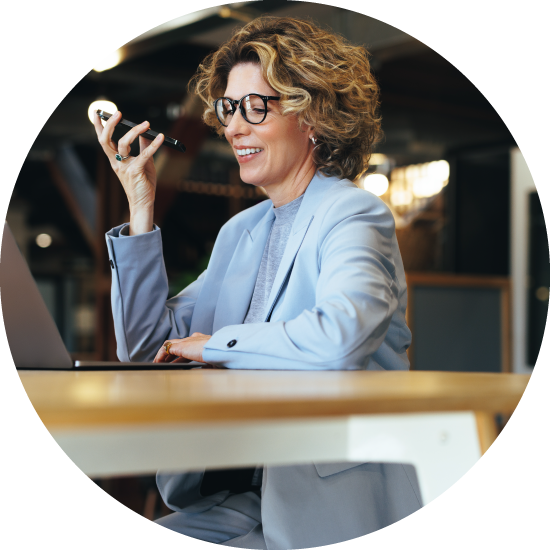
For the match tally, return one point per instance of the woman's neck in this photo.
(285, 192)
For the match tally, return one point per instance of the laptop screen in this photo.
(32, 334)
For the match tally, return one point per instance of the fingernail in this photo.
(159, 137)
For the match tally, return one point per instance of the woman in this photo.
(310, 279)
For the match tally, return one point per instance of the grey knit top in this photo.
(273, 254)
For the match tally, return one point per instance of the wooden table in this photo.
(135, 422)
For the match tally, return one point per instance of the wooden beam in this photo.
(221, 190)
(73, 206)
(457, 280)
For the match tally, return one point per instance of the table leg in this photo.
(441, 446)
(486, 429)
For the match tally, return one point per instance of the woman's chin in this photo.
(251, 179)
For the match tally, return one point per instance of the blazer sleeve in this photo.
(142, 316)
(357, 294)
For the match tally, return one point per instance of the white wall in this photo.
(521, 185)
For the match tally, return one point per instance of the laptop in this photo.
(33, 337)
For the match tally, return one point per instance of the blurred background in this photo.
(469, 222)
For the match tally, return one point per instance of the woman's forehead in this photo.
(247, 78)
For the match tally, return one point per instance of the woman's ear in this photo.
(304, 127)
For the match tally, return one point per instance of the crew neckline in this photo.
(287, 211)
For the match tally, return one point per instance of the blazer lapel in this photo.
(285, 267)
(312, 198)
(242, 272)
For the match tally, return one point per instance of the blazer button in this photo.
(231, 344)
(112, 264)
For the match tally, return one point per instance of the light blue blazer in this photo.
(337, 303)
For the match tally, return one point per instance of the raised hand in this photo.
(137, 174)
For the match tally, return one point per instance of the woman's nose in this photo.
(237, 125)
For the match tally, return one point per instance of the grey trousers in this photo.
(235, 522)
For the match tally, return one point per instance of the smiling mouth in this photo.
(251, 151)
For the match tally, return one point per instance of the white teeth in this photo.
(243, 152)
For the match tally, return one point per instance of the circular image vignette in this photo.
(446, 166)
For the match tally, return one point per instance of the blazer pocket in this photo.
(325, 469)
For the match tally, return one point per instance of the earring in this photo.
(312, 138)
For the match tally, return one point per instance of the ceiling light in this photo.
(439, 170)
(376, 183)
(228, 13)
(542, 293)
(112, 60)
(43, 240)
(426, 187)
(103, 105)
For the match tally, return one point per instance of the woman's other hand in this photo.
(187, 348)
(137, 174)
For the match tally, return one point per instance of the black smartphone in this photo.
(150, 134)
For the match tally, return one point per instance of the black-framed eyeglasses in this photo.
(253, 107)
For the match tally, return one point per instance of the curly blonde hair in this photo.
(321, 78)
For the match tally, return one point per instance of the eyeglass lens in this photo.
(252, 107)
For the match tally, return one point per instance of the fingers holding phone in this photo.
(147, 147)
(148, 134)
(137, 174)
(126, 141)
(123, 149)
